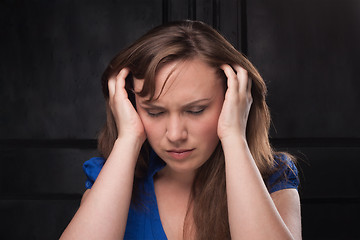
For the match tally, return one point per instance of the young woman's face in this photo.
(181, 125)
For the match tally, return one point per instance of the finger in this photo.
(232, 82)
(120, 80)
(111, 86)
(249, 85)
(242, 76)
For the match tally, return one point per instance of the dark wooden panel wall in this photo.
(52, 57)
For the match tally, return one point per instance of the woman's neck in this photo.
(180, 179)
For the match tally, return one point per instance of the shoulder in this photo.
(284, 174)
(92, 168)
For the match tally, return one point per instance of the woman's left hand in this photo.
(236, 107)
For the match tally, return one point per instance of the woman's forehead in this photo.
(190, 75)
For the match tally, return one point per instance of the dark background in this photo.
(54, 52)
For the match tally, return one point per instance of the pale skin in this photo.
(181, 120)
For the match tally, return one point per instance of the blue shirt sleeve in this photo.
(92, 169)
(286, 175)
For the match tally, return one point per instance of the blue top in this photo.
(145, 223)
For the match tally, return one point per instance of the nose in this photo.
(176, 131)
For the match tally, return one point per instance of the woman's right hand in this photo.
(109, 198)
(128, 122)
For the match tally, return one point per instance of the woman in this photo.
(186, 147)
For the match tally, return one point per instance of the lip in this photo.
(180, 153)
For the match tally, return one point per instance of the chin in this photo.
(183, 166)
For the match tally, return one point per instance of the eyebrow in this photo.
(150, 104)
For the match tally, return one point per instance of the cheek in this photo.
(209, 125)
(206, 129)
(153, 129)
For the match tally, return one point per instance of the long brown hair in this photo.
(186, 40)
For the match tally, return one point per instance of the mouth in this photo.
(180, 153)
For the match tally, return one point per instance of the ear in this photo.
(223, 78)
(129, 86)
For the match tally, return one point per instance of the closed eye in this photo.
(154, 113)
(196, 111)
